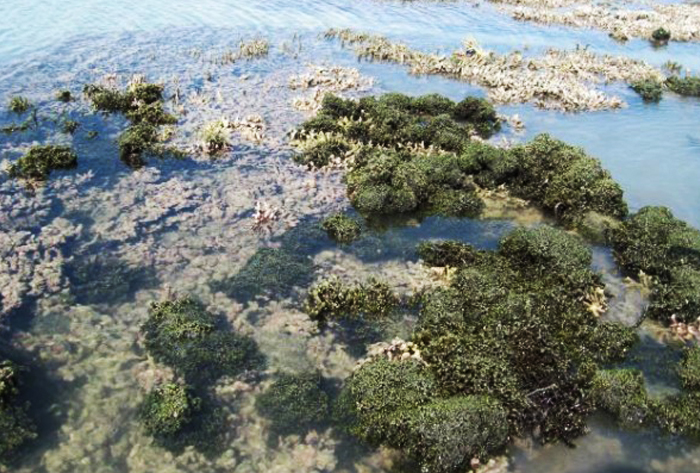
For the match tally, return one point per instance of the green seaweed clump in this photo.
(649, 89)
(142, 105)
(333, 301)
(689, 85)
(69, 126)
(183, 335)
(514, 326)
(64, 96)
(654, 242)
(168, 409)
(409, 155)
(294, 403)
(621, 393)
(393, 403)
(19, 105)
(689, 368)
(16, 428)
(661, 35)
(679, 414)
(342, 228)
(41, 160)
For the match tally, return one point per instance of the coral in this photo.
(689, 85)
(294, 403)
(16, 428)
(649, 89)
(621, 393)
(342, 228)
(41, 160)
(19, 105)
(183, 335)
(168, 409)
(563, 80)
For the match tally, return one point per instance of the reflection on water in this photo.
(128, 238)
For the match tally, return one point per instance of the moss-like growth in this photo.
(621, 393)
(215, 138)
(563, 180)
(332, 301)
(446, 434)
(679, 414)
(447, 253)
(168, 409)
(342, 228)
(689, 368)
(183, 335)
(661, 35)
(19, 105)
(41, 160)
(382, 141)
(142, 105)
(64, 96)
(69, 126)
(655, 242)
(689, 85)
(649, 89)
(393, 403)
(16, 428)
(294, 403)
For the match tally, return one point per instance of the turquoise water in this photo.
(187, 222)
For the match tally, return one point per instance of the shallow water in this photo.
(183, 224)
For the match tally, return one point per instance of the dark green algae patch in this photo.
(16, 426)
(196, 345)
(417, 155)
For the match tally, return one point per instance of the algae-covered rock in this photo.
(622, 394)
(654, 242)
(680, 414)
(168, 409)
(649, 89)
(184, 336)
(19, 105)
(294, 403)
(689, 85)
(333, 301)
(16, 428)
(689, 368)
(661, 35)
(342, 228)
(41, 160)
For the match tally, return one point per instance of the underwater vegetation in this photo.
(510, 348)
(661, 35)
(419, 154)
(142, 105)
(649, 89)
(294, 403)
(689, 85)
(341, 228)
(16, 427)
(655, 243)
(184, 336)
(64, 96)
(41, 160)
(19, 105)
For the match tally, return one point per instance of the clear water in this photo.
(183, 224)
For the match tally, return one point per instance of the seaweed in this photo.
(649, 89)
(69, 126)
(16, 427)
(621, 393)
(689, 368)
(183, 335)
(64, 96)
(342, 228)
(661, 35)
(689, 85)
(41, 160)
(168, 409)
(294, 403)
(19, 105)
